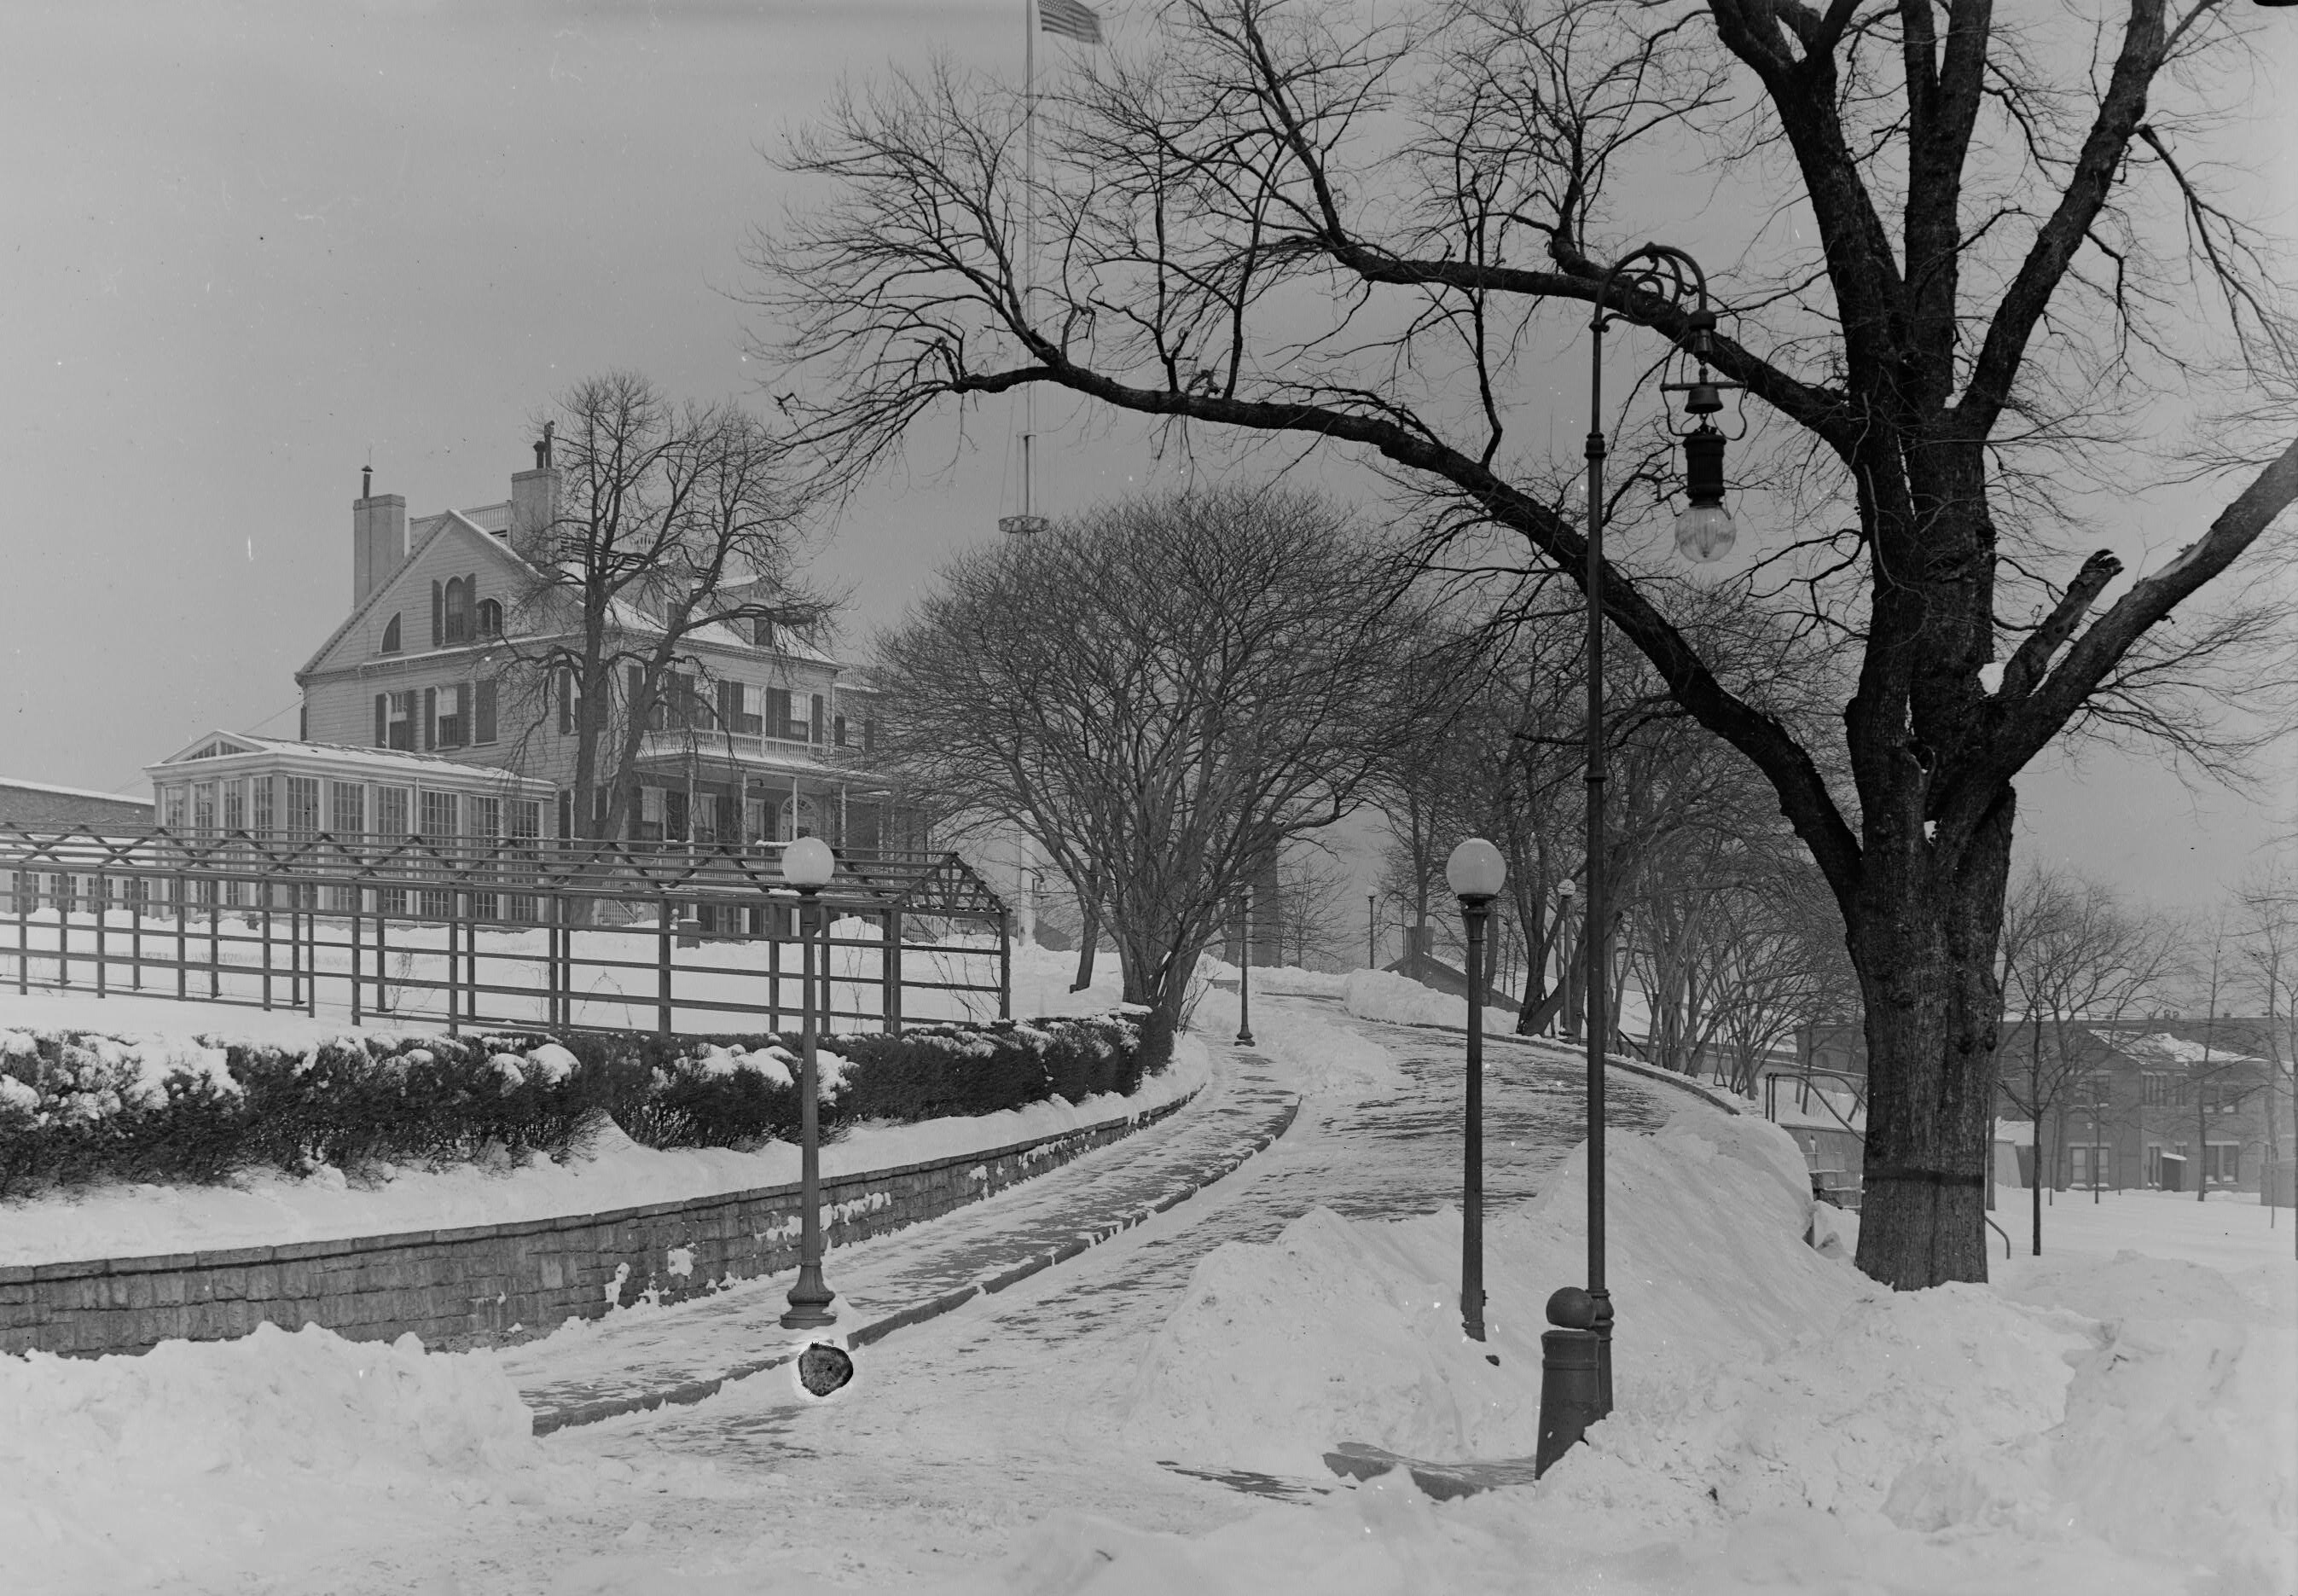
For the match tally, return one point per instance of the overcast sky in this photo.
(247, 247)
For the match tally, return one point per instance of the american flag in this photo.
(1071, 20)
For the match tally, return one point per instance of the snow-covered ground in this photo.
(2118, 1416)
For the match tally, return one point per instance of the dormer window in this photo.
(489, 618)
(390, 635)
(761, 632)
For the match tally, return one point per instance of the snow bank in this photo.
(129, 1471)
(1278, 980)
(1345, 1331)
(267, 1208)
(1782, 1424)
(1379, 995)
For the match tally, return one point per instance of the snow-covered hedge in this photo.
(76, 1106)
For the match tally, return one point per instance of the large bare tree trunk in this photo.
(1924, 946)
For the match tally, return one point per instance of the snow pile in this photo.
(1347, 1331)
(1278, 980)
(132, 1470)
(1379, 995)
(1781, 1424)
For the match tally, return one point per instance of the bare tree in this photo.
(1163, 692)
(1306, 915)
(1316, 221)
(671, 520)
(2076, 954)
(2266, 926)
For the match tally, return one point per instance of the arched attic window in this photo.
(489, 618)
(390, 635)
(458, 623)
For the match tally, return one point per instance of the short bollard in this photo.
(1570, 1398)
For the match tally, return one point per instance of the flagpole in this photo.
(1029, 229)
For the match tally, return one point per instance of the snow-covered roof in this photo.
(382, 762)
(2162, 1047)
(20, 785)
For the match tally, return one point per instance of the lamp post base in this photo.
(1575, 1375)
(810, 1300)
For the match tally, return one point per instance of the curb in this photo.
(691, 1392)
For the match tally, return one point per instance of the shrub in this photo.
(76, 1107)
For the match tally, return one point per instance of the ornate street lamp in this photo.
(1245, 979)
(1575, 1387)
(807, 864)
(1475, 873)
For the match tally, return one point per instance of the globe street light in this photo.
(1575, 1389)
(1475, 873)
(807, 864)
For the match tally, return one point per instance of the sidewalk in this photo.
(644, 1357)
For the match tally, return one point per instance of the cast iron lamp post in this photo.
(1475, 873)
(1245, 979)
(807, 864)
(1575, 1386)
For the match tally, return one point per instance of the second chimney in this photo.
(378, 539)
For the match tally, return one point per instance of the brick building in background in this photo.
(38, 807)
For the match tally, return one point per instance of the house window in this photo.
(2222, 1163)
(527, 817)
(235, 805)
(780, 719)
(454, 715)
(390, 635)
(2156, 1088)
(350, 816)
(486, 818)
(652, 803)
(735, 714)
(391, 809)
(303, 806)
(868, 734)
(754, 820)
(259, 810)
(837, 730)
(203, 808)
(489, 618)
(2092, 1166)
(761, 632)
(456, 625)
(399, 721)
(438, 814)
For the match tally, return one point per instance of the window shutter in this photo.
(730, 703)
(486, 729)
(813, 722)
(430, 719)
(566, 704)
(438, 614)
(382, 720)
(637, 685)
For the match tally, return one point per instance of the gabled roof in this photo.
(447, 524)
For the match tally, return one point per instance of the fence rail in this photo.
(475, 932)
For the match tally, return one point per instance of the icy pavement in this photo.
(1385, 1156)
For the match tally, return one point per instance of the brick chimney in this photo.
(534, 494)
(378, 537)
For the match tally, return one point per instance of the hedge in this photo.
(78, 1106)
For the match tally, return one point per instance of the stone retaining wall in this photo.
(489, 1285)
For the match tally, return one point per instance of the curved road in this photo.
(960, 1432)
